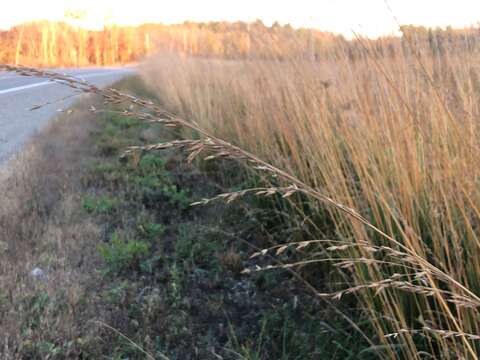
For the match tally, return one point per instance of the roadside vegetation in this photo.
(392, 137)
(131, 271)
(337, 207)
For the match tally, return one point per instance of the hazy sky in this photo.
(371, 17)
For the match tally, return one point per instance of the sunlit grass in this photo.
(393, 137)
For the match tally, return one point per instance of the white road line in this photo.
(20, 88)
(44, 83)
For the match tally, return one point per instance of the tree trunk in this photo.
(19, 47)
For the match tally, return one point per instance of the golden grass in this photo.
(394, 138)
(388, 143)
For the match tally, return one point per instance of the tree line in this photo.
(44, 43)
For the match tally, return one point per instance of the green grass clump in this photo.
(123, 255)
(100, 205)
(122, 122)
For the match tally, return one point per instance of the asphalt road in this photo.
(19, 94)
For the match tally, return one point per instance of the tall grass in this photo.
(396, 139)
(385, 150)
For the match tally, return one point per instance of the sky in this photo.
(368, 17)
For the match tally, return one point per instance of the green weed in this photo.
(101, 205)
(121, 255)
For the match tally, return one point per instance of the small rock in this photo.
(38, 274)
